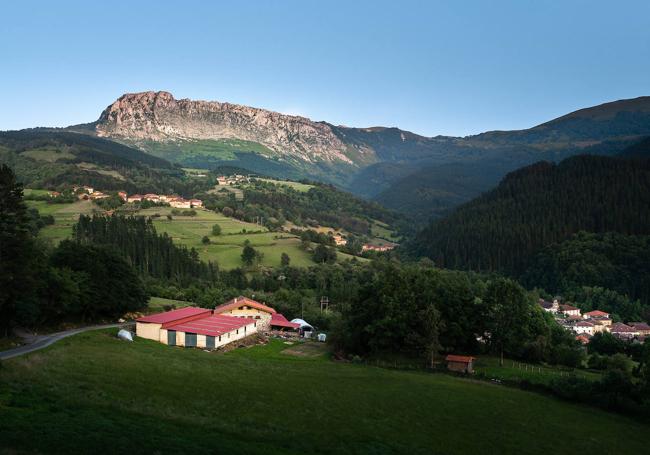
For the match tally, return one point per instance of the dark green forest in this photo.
(537, 206)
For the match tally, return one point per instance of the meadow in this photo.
(65, 216)
(226, 248)
(94, 393)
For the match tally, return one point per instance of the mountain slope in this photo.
(539, 205)
(45, 158)
(366, 161)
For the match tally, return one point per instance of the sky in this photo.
(431, 67)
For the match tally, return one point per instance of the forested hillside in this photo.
(540, 205)
(581, 264)
(49, 159)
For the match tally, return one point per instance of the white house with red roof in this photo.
(569, 310)
(584, 327)
(194, 327)
(595, 314)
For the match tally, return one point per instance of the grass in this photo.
(50, 155)
(302, 187)
(65, 216)
(226, 248)
(516, 371)
(157, 304)
(221, 149)
(94, 393)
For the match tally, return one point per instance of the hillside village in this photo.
(588, 324)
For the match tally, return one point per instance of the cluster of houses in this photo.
(214, 328)
(173, 201)
(370, 247)
(232, 179)
(89, 193)
(588, 324)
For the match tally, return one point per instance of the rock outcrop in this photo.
(158, 116)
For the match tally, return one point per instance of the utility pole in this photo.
(324, 304)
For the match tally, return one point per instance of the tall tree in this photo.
(15, 244)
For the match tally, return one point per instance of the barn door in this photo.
(190, 340)
(209, 342)
(171, 337)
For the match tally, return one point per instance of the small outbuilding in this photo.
(279, 322)
(460, 363)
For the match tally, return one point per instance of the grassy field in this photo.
(302, 187)
(50, 155)
(157, 304)
(226, 248)
(65, 216)
(94, 393)
(535, 374)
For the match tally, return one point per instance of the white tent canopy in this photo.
(303, 324)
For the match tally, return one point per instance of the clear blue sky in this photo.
(431, 67)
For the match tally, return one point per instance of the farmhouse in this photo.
(641, 327)
(194, 327)
(623, 331)
(569, 310)
(595, 314)
(584, 327)
(460, 363)
(551, 307)
(243, 307)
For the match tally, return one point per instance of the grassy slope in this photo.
(65, 216)
(226, 249)
(93, 393)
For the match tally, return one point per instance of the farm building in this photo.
(279, 322)
(194, 327)
(460, 363)
(243, 307)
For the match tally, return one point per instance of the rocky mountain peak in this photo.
(158, 116)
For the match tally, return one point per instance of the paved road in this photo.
(44, 341)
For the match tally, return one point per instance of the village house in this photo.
(551, 307)
(122, 195)
(641, 327)
(54, 194)
(623, 331)
(180, 203)
(339, 240)
(196, 202)
(194, 327)
(595, 314)
(460, 363)
(569, 310)
(98, 195)
(584, 327)
(134, 198)
(583, 338)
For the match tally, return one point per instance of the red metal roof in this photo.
(175, 315)
(243, 301)
(596, 313)
(214, 325)
(459, 358)
(278, 320)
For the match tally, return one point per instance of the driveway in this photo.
(43, 341)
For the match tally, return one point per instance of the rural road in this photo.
(44, 341)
